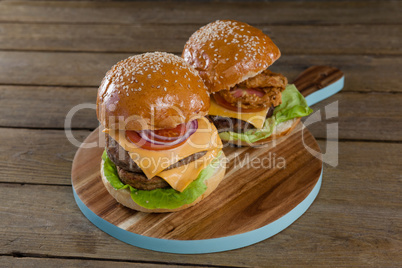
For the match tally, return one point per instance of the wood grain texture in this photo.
(315, 78)
(317, 12)
(35, 156)
(355, 221)
(34, 261)
(295, 39)
(363, 73)
(47, 106)
(370, 116)
(260, 186)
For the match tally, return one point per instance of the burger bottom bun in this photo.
(280, 130)
(123, 196)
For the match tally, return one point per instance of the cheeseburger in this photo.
(249, 103)
(161, 153)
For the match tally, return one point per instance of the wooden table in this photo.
(54, 54)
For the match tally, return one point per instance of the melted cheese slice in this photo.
(179, 178)
(153, 162)
(257, 119)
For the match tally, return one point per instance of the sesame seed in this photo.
(124, 73)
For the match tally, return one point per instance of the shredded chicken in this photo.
(269, 83)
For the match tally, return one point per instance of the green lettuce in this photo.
(251, 135)
(293, 105)
(161, 198)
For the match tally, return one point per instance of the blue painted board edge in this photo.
(325, 92)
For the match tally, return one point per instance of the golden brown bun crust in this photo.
(151, 91)
(123, 195)
(227, 52)
(281, 130)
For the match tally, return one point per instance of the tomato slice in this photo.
(222, 102)
(135, 138)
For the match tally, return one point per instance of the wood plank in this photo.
(355, 220)
(35, 156)
(295, 39)
(46, 107)
(356, 12)
(60, 69)
(39, 261)
(369, 116)
(363, 73)
(361, 116)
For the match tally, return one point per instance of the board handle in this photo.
(317, 83)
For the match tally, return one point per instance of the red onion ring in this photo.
(149, 135)
(237, 93)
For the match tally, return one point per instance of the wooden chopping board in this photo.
(262, 193)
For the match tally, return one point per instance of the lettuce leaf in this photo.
(161, 198)
(251, 135)
(293, 105)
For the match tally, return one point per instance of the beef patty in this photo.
(130, 173)
(140, 181)
(223, 124)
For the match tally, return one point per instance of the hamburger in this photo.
(161, 153)
(250, 104)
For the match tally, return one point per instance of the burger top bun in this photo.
(227, 52)
(151, 91)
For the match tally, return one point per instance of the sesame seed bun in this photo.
(151, 91)
(227, 52)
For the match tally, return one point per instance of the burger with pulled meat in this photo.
(161, 153)
(249, 104)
